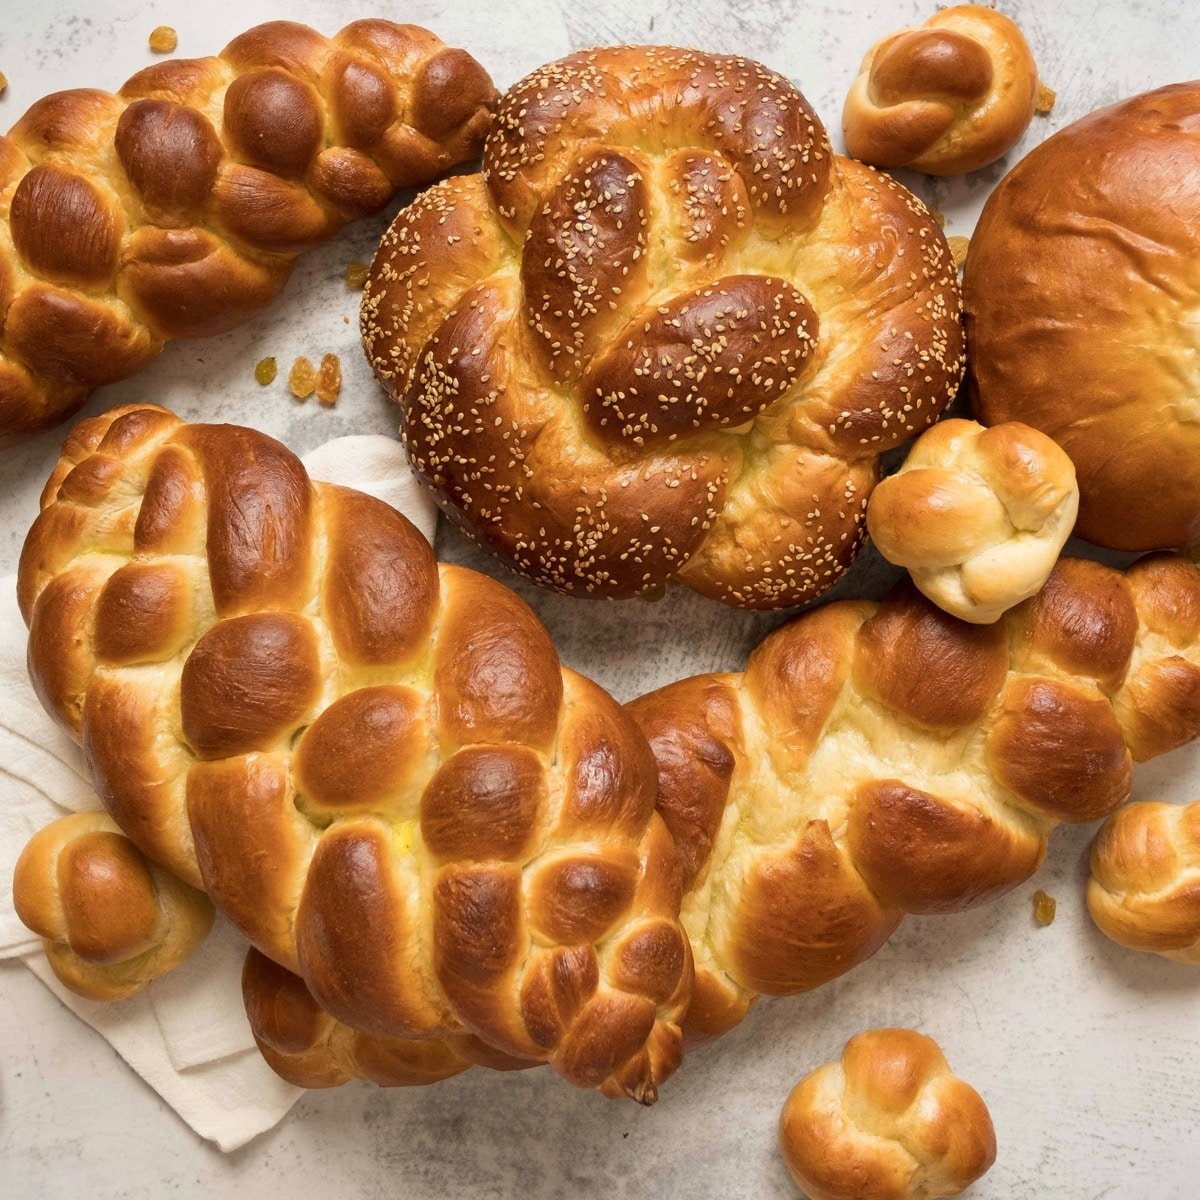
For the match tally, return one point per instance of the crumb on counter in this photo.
(1044, 908)
(958, 249)
(302, 378)
(356, 275)
(1046, 97)
(329, 380)
(265, 371)
(163, 39)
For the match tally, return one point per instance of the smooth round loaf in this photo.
(176, 207)
(888, 1121)
(945, 97)
(978, 516)
(1081, 304)
(375, 765)
(880, 759)
(1144, 890)
(666, 334)
(112, 920)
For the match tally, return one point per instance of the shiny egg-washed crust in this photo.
(1144, 890)
(888, 1121)
(977, 516)
(1082, 288)
(666, 334)
(374, 765)
(945, 97)
(880, 759)
(176, 207)
(111, 919)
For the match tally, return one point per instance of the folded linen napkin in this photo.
(186, 1034)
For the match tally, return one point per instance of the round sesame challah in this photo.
(880, 759)
(1144, 890)
(374, 765)
(945, 97)
(888, 1121)
(666, 334)
(176, 207)
(111, 919)
(978, 516)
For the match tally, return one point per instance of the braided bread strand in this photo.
(176, 207)
(881, 759)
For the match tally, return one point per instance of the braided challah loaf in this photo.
(945, 97)
(888, 1121)
(1144, 891)
(374, 765)
(665, 334)
(176, 207)
(880, 759)
(112, 921)
(978, 516)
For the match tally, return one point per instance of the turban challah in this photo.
(1144, 890)
(978, 516)
(888, 1121)
(111, 919)
(374, 765)
(666, 334)
(945, 97)
(176, 207)
(880, 759)
(1081, 296)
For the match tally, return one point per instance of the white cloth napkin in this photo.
(186, 1034)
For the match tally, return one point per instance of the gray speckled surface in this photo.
(1085, 1053)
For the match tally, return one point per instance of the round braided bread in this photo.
(880, 759)
(176, 207)
(374, 765)
(665, 334)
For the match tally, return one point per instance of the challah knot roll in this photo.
(887, 1121)
(176, 207)
(978, 516)
(1144, 891)
(945, 97)
(112, 921)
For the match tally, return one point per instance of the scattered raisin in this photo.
(329, 380)
(163, 39)
(1044, 907)
(302, 379)
(1045, 99)
(265, 371)
(958, 249)
(3, 83)
(356, 275)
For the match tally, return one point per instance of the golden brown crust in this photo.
(112, 921)
(945, 97)
(1144, 890)
(888, 1121)
(376, 766)
(175, 208)
(1112, 379)
(666, 334)
(878, 759)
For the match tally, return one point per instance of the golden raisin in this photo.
(302, 379)
(265, 370)
(1045, 99)
(3, 83)
(329, 380)
(958, 249)
(1044, 908)
(163, 39)
(356, 275)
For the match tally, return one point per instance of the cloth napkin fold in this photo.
(186, 1034)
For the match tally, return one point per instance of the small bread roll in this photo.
(945, 97)
(112, 920)
(1145, 886)
(978, 516)
(888, 1121)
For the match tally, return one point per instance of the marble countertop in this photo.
(1085, 1053)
